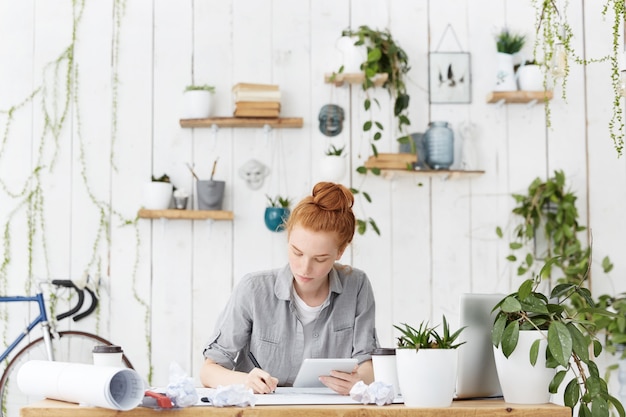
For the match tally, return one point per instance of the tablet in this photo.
(312, 369)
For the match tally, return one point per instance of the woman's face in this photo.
(311, 256)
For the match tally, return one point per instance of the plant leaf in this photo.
(509, 338)
(560, 343)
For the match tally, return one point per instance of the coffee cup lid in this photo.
(107, 349)
(384, 351)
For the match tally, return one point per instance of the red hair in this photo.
(327, 209)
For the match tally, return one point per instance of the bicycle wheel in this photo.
(68, 346)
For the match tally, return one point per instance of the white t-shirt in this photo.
(307, 316)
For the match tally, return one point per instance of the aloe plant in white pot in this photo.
(427, 364)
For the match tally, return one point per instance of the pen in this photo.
(254, 361)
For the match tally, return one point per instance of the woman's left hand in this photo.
(341, 382)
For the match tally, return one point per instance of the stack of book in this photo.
(256, 100)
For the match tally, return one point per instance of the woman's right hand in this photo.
(261, 382)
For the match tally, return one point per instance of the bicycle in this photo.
(65, 346)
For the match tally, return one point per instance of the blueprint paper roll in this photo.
(101, 386)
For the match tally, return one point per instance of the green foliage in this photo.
(162, 178)
(569, 341)
(425, 337)
(548, 211)
(204, 87)
(508, 42)
(278, 201)
(384, 56)
(334, 151)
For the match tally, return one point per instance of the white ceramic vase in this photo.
(332, 168)
(521, 382)
(352, 56)
(530, 78)
(505, 74)
(427, 377)
(156, 195)
(197, 104)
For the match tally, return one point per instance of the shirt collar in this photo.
(284, 282)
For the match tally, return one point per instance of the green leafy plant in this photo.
(278, 201)
(554, 35)
(508, 42)
(384, 56)
(204, 87)
(571, 344)
(334, 151)
(425, 337)
(547, 212)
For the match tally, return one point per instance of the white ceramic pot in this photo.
(427, 377)
(530, 78)
(521, 382)
(156, 195)
(352, 56)
(197, 104)
(332, 168)
(505, 74)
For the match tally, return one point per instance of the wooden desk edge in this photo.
(487, 408)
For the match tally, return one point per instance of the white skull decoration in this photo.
(254, 173)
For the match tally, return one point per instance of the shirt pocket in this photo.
(342, 335)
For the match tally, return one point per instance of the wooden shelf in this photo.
(353, 78)
(186, 214)
(281, 122)
(444, 173)
(518, 96)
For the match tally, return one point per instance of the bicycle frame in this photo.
(41, 319)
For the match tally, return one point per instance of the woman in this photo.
(311, 308)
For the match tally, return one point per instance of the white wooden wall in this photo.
(438, 237)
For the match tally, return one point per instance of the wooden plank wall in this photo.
(163, 283)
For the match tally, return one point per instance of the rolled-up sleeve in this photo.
(365, 339)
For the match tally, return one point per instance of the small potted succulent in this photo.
(333, 164)
(427, 361)
(197, 101)
(277, 212)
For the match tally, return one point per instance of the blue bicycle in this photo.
(65, 346)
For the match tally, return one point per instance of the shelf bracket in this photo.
(500, 103)
(531, 103)
(214, 128)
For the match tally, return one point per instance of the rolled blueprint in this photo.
(102, 386)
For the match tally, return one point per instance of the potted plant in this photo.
(427, 364)
(384, 57)
(548, 227)
(157, 194)
(197, 100)
(333, 164)
(277, 212)
(530, 76)
(507, 44)
(559, 341)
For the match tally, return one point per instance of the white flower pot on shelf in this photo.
(516, 371)
(505, 74)
(352, 55)
(197, 104)
(530, 78)
(427, 377)
(156, 195)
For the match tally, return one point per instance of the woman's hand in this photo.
(261, 382)
(341, 382)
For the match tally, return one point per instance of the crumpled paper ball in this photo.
(377, 392)
(233, 395)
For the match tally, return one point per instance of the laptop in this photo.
(476, 375)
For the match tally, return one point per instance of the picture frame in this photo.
(449, 75)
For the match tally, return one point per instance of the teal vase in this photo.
(275, 218)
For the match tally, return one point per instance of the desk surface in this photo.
(487, 408)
